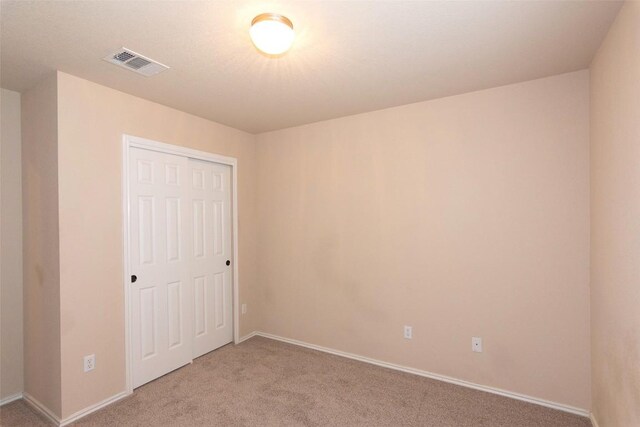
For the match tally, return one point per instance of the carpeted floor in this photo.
(268, 383)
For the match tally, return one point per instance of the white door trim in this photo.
(129, 141)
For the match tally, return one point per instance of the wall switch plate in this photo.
(476, 344)
(408, 332)
(244, 308)
(89, 362)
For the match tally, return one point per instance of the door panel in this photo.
(199, 235)
(211, 276)
(174, 229)
(176, 314)
(148, 322)
(201, 305)
(161, 320)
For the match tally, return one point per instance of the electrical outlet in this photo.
(89, 362)
(476, 344)
(408, 332)
(244, 308)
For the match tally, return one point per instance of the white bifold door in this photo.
(180, 261)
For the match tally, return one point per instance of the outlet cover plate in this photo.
(476, 344)
(408, 332)
(89, 362)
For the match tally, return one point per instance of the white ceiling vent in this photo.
(135, 62)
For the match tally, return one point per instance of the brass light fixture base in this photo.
(272, 17)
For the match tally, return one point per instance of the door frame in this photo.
(128, 142)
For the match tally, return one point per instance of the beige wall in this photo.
(464, 216)
(41, 262)
(92, 119)
(615, 223)
(11, 382)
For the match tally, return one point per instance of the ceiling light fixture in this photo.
(272, 33)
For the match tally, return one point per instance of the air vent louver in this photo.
(135, 62)
(123, 56)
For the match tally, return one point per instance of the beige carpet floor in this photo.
(262, 382)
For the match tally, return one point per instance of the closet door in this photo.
(210, 213)
(161, 296)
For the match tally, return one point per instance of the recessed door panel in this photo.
(172, 174)
(148, 322)
(175, 313)
(198, 178)
(218, 280)
(218, 228)
(201, 305)
(218, 179)
(199, 229)
(173, 228)
(145, 171)
(146, 232)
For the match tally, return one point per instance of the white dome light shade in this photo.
(271, 33)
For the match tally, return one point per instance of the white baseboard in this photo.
(41, 408)
(594, 422)
(246, 337)
(506, 393)
(49, 415)
(10, 399)
(93, 408)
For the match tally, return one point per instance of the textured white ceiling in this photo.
(349, 56)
